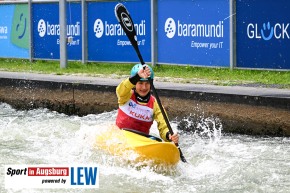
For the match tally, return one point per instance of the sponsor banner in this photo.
(108, 41)
(46, 31)
(263, 34)
(194, 32)
(51, 176)
(139, 112)
(14, 31)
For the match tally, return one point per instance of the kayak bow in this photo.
(120, 141)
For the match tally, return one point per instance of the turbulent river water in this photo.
(216, 163)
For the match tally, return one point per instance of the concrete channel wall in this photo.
(244, 110)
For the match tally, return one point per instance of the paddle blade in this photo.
(126, 22)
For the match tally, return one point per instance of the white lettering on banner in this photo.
(75, 42)
(193, 30)
(3, 30)
(199, 45)
(113, 29)
(52, 29)
(3, 37)
(206, 45)
(267, 31)
(128, 43)
(49, 171)
(116, 29)
(137, 111)
(73, 30)
(123, 43)
(46, 28)
(208, 31)
(200, 30)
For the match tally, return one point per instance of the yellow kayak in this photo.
(122, 141)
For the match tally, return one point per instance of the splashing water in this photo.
(216, 162)
(201, 126)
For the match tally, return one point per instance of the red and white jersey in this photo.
(133, 115)
(137, 116)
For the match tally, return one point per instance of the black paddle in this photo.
(127, 25)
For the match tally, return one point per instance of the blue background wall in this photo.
(186, 19)
(189, 33)
(14, 31)
(263, 34)
(46, 25)
(105, 44)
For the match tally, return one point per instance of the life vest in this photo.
(133, 115)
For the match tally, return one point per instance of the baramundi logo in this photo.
(50, 29)
(170, 28)
(98, 28)
(104, 28)
(183, 29)
(41, 28)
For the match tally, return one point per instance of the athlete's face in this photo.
(143, 88)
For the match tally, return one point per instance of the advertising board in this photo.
(194, 32)
(263, 34)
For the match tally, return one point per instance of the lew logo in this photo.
(51, 176)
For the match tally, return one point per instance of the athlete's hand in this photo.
(144, 73)
(174, 138)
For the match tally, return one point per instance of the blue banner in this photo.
(263, 34)
(107, 40)
(46, 31)
(14, 31)
(194, 32)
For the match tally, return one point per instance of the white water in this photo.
(224, 163)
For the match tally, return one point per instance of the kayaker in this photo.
(138, 108)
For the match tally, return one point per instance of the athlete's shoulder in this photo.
(153, 97)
